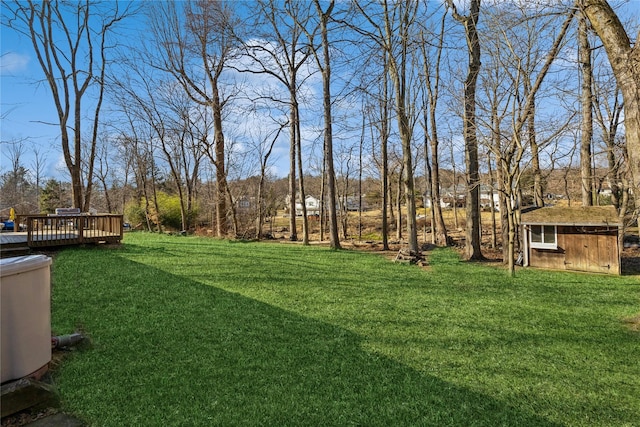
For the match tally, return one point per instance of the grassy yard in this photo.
(189, 331)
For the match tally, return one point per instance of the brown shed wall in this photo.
(593, 249)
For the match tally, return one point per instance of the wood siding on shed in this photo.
(593, 249)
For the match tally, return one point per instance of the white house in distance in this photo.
(443, 203)
(459, 193)
(312, 204)
(486, 194)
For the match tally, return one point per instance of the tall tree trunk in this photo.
(384, 145)
(472, 228)
(504, 212)
(286, 22)
(410, 196)
(538, 198)
(221, 175)
(400, 183)
(439, 230)
(398, 74)
(293, 232)
(334, 240)
(491, 201)
(301, 189)
(584, 52)
(360, 167)
(390, 200)
(511, 163)
(428, 176)
(385, 187)
(323, 197)
(455, 188)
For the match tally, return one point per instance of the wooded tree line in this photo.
(204, 95)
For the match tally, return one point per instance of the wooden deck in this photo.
(63, 230)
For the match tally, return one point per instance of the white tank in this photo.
(25, 285)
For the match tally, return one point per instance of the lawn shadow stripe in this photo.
(168, 350)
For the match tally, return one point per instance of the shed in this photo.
(572, 238)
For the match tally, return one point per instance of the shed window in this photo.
(544, 237)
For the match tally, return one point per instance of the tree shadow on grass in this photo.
(171, 351)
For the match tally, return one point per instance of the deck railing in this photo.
(57, 230)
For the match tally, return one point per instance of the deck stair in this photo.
(11, 247)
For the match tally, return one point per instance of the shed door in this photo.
(589, 251)
(576, 250)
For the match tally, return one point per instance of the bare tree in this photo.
(520, 45)
(70, 40)
(431, 73)
(16, 188)
(322, 56)
(264, 148)
(491, 186)
(378, 116)
(37, 167)
(498, 101)
(196, 46)
(177, 130)
(584, 51)
(281, 54)
(183, 142)
(470, 23)
(135, 144)
(325, 68)
(15, 178)
(625, 62)
(393, 30)
(343, 188)
(510, 154)
(103, 172)
(608, 116)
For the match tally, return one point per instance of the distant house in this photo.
(572, 238)
(448, 196)
(427, 201)
(489, 197)
(353, 203)
(312, 204)
(458, 195)
(443, 203)
(455, 194)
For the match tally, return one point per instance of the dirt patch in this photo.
(633, 322)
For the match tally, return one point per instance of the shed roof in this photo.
(587, 215)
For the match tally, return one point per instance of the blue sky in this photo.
(26, 104)
(29, 117)
(28, 113)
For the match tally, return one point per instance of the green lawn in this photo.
(189, 331)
